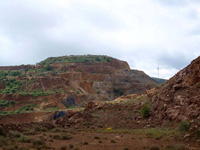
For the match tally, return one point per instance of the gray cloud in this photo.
(175, 60)
(146, 34)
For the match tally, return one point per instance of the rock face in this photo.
(72, 80)
(178, 99)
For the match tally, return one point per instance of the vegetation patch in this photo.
(23, 109)
(11, 86)
(145, 110)
(37, 92)
(118, 91)
(76, 59)
(6, 103)
(184, 126)
(24, 139)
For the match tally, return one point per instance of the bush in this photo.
(2, 131)
(63, 147)
(15, 73)
(37, 143)
(154, 148)
(24, 139)
(14, 134)
(97, 59)
(6, 103)
(145, 110)
(118, 91)
(197, 132)
(184, 126)
(65, 137)
(12, 86)
(71, 146)
(47, 67)
(108, 59)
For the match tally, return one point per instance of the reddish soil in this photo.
(117, 141)
(89, 140)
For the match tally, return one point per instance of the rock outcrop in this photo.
(178, 99)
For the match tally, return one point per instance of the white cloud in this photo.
(145, 33)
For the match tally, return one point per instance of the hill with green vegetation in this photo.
(61, 82)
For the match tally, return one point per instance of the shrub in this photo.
(154, 148)
(6, 103)
(97, 59)
(37, 143)
(98, 92)
(57, 137)
(47, 67)
(63, 148)
(112, 141)
(197, 132)
(96, 137)
(198, 85)
(37, 129)
(71, 146)
(84, 143)
(65, 137)
(11, 86)
(118, 91)
(108, 59)
(14, 134)
(145, 110)
(15, 73)
(24, 139)
(54, 73)
(184, 126)
(2, 131)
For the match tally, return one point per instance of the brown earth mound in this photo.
(178, 99)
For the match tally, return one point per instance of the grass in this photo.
(148, 132)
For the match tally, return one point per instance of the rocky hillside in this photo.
(178, 99)
(70, 80)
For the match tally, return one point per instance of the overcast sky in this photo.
(145, 33)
